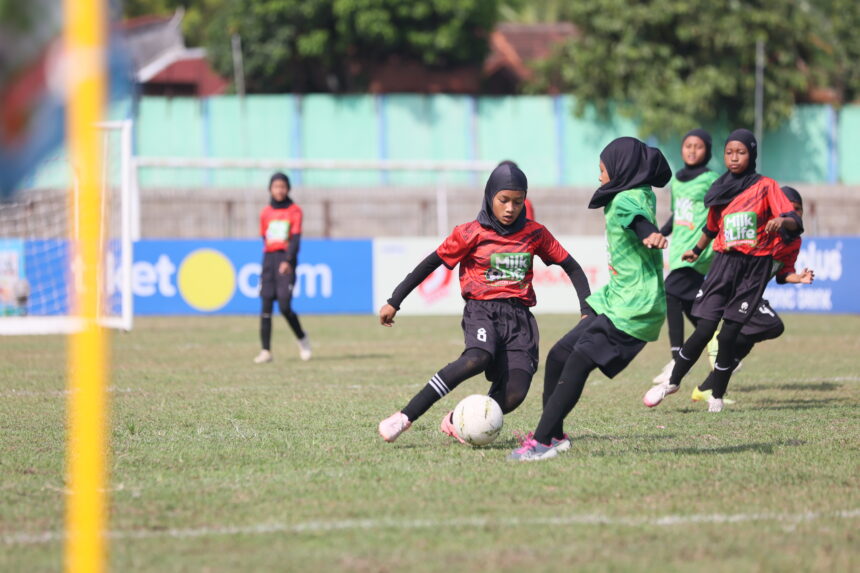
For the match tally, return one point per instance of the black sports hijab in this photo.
(630, 164)
(287, 201)
(728, 185)
(508, 176)
(690, 172)
(792, 194)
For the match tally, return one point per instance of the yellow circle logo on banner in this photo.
(207, 280)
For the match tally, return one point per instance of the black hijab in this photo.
(287, 201)
(690, 172)
(792, 194)
(630, 163)
(508, 176)
(728, 185)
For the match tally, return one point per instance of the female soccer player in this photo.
(281, 229)
(765, 323)
(630, 309)
(689, 214)
(495, 253)
(746, 212)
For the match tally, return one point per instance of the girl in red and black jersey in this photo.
(281, 229)
(747, 212)
(765, 323)
(495, 253)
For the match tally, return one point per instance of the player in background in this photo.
(746, 213)
(629, 310)
(495, 253)
(765, 323)
(689, 214)
(281, 229)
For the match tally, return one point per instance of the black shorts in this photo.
(684, 283)
(763, 320)
(733, 288)
(596, 337)
(274, 285)
(507, 330)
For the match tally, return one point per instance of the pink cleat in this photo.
(394, 425)
(447, 427)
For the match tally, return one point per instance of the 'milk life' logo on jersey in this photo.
(509, 266)
(740, 228)
(683, 212)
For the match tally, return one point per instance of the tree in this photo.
(326, 45)
(674, 64)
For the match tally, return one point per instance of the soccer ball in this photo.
(478, 419)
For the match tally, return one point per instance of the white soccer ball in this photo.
(478, 419)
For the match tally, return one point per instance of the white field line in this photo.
(374, 524)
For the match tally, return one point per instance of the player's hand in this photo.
(690, 256)
(655, 241)
(386, 315)
(285, 268)
(807, 276)
(774, 225)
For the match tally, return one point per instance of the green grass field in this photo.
(218, 464)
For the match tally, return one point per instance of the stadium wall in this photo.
(176, 277)
(818, 144)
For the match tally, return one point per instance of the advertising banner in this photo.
(223, 277)
(836, 263)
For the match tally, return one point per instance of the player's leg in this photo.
(285, 284)
(267, 297)
(480, 337)
(738, 311)
(675, 323)
(265, 354)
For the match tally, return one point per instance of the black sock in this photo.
(692, 349)
(295, 325)
(725, 363)
(675, 322)
(473, 361)
(564, 397)
(266, 331)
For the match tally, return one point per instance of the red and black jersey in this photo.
(493, 266)
(278, 225)
(739, 225)
(785, 257)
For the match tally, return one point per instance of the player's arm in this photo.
(788, 219)
(648, 233)
(412, 280)
(806, 277)
(292, 253)
(580, 283)
(692, 255)
(668, 226)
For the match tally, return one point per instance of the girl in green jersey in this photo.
(689, 215)
(629, 310)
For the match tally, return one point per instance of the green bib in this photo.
(689, 216)
(634, 299)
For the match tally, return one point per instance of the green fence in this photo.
(554, 147)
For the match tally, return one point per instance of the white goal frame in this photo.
(66, 324)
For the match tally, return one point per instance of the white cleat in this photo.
(655, 395)
(263, 357)
(305, 348)
(664, 376)
(715, 404)
(393, 426)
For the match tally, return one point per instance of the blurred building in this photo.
(163, 64)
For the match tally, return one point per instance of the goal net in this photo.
(39, 268)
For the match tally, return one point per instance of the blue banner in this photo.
(836, 263)
(223, 277)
